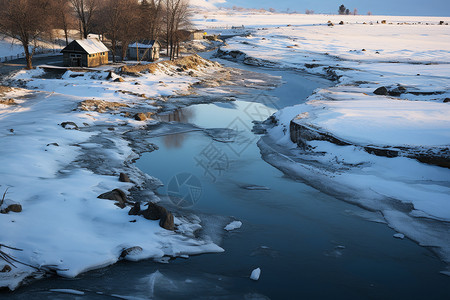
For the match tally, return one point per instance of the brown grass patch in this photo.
(192, 62)
(7, 102)
(99, 105)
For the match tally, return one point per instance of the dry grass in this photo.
(192, 62)
(99, 105)
(4, 89)
(7, 102)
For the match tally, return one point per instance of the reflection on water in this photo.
(174, 140)
(182, 115)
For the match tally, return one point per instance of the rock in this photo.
(153, 212)
(53, 144)
(116, 195)
(6, 269)
(135, 210)
(17, 208)
(69, 125)
(130, 251)
(120, 79)
(364, 50)
(381, 91)
(446, 100)
(341, 23)
(167, 221)
(397, 91)
(124, 177)
(142, 116)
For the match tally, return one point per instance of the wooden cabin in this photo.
(85, 53)
(145, 50)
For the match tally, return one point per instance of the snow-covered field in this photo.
(340, 128)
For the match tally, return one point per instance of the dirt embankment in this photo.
(192, 62)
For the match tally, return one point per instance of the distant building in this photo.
(190, 35)
(85, 53)
(196, 35)
(145, 50)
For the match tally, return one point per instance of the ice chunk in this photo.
(399, 236)
(67, 291)
(255, 274)
(233, 225)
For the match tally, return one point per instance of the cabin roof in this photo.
(88, 46)
(143, 44)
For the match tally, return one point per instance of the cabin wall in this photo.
(95, 60)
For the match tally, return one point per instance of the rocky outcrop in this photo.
(438, 156)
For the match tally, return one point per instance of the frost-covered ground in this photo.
(56, 173)
(339, 129)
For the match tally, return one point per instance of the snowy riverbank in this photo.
(368, 148)
(65, 139)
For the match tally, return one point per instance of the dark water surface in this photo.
(308, 244)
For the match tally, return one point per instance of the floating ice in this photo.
(233, 225)
(255, 274)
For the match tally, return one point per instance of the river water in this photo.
(307, 244)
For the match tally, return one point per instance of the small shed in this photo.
(144, 50)
(196, 35)
(85, 53)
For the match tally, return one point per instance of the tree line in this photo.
(120, 21)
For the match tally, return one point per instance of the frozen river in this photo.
(307, 243)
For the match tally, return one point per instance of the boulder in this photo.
(397, 91)
(69, 125)
(142, 116)
(446, 100)
(153, 212)
(6, 269)
(381, 91)
(119, 79)
(136, 250)
(156, 212)
(17, 208)
(115, 195)
(124, 177)
(135, 210)
(166, 220)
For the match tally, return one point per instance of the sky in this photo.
(378, 7)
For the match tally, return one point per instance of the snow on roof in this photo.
(92, 46)
(142, 45)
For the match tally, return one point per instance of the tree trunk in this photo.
(28, 56)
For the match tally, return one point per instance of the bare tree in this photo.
(26, 21)
(151, 19)
(119, 23)
(355, 11)
(176, 17)
(63, 16)
(85, 11)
